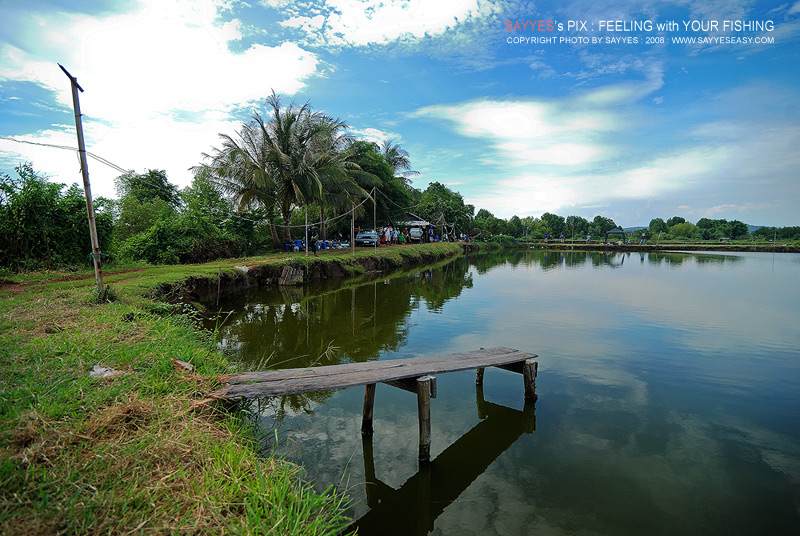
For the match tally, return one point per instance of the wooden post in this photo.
(369, 403)
(479, 377)
(424, 410)
(353, 228)
(98, 272)
(529, 370)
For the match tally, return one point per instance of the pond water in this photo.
(669, 393)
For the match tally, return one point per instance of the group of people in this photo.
(391, 235)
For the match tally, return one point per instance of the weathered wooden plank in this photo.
(276, 375)
(292, 381)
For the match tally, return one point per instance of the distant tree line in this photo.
(256, 192)
(704, 229)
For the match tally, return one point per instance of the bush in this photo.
(41, 226)
(504, 240)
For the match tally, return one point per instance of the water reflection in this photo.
(413, 507)
(288, 327)
(668, 394)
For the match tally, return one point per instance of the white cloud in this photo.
(365, 22)
(532, 131)
(374, 135)
(583, 151)
(160, 81)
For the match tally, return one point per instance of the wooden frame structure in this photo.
(416, 375)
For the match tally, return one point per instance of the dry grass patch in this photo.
(146, 467)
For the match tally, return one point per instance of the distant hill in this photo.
(635, 228)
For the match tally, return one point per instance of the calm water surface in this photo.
(669, 393)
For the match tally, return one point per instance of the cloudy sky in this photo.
(515, 119)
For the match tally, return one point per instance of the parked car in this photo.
(415, 234)
(367, 237)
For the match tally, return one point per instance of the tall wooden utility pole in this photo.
(98, 274)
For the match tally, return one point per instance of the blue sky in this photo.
(629, 130)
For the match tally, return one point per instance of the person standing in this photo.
(311, 239)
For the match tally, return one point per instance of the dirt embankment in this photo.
(200, 289)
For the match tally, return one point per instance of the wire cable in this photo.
(114, 166)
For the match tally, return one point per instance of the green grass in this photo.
(129, 454)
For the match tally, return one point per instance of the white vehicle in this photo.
(415, 234)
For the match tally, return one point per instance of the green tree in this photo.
(148, 187)
(675, 220)
(738, 229)
(683, 230)
(555, 223)
(398, 160)
(515, 227)
(483, 214)
(138, 216)
(441, 205)
(657, 225)
(293, 158)
(601, 225)
(392, 197)
(576, 225)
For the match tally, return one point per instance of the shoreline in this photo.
(688, 247)
(128, 452)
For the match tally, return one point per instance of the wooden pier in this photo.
(413, 374)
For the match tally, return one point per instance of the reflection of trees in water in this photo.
(717, 259)
(298, 327)
(556, 259)
(677, 259)
(437, 287)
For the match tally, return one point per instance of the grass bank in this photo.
(125, 454)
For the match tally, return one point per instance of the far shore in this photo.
(671, 246)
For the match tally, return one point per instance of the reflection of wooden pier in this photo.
(412, 508)
(413, 374)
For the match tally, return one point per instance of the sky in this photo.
(628, 109)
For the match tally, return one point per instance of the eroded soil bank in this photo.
(203, 289)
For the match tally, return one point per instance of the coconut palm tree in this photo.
(293, 158)
(398, 159)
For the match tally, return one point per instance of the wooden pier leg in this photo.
(481, 402)
(424, 523)
(479, 377)
(529, 416)
(529, 371)
(370, 480)
(369, 403)
(424, 410)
